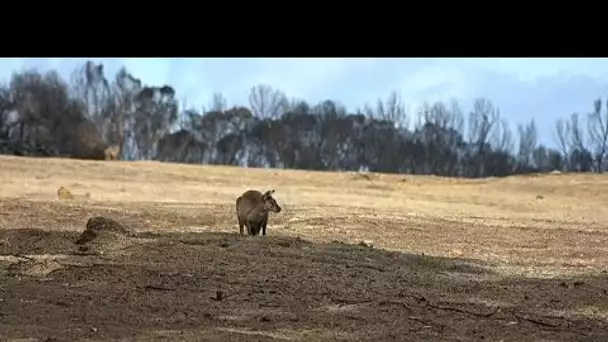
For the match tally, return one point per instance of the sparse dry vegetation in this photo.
(112, 152)
(452, 259)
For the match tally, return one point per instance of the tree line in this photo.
(42, 114)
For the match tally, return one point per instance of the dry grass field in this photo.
(515, 259)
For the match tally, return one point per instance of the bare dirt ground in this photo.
(514, 259)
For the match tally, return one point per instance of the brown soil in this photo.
(184, 274)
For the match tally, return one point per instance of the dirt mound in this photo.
(103, 234)
(98, 226)
(106, 242)
(103, 224)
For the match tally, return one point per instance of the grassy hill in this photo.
(518, 258)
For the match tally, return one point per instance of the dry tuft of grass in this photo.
(64, 194)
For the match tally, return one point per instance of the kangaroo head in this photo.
(269, 203)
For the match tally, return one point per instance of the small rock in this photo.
(366, 243)
(33, 268)
(457, 252)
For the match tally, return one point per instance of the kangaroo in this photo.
(252, 210)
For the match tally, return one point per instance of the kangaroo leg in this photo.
(241, 225)
(264, 224)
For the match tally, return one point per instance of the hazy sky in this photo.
(522, 88)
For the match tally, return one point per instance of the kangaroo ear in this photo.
(268, 193)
